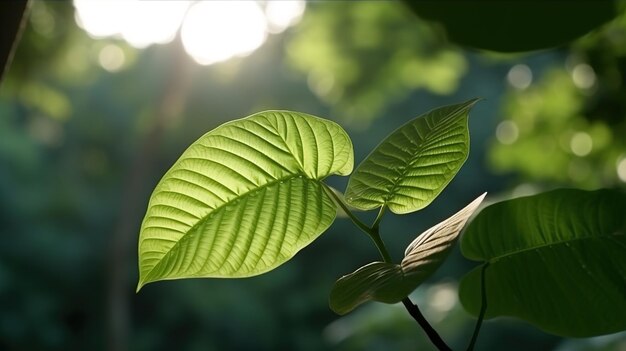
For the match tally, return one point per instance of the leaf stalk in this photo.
(374, 233)
(483, 306)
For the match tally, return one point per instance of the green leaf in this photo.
(414, 164)
(244, 198)
(390, 283)
(515, 26)
(557, 260)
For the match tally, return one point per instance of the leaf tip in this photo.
(336, 309)
(481, 197)
(472, 102)
(140, 285)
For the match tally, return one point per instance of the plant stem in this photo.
(421, 320)
(380, 245)
(345, 209)
(374, 233)
(483, 306)
(412, 308)
(379, 217)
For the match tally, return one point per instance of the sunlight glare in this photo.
(95, 16)
(140, 23)
(160, 21)
(215, 31)
(282, 14)
(211, 31)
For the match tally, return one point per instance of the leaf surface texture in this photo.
(414, 164)
(556, 260)
(244, 198)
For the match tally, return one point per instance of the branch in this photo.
(374, 233)
(430, 331)
(13, 16)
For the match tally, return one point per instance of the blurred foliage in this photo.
(569, 127)
(370, 54)
(70, 130)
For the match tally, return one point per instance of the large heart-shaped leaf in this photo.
(414, 164)
(244, 198)
(556, 260)
(390, 283)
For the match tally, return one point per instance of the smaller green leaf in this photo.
(390, 283)
(414, 164)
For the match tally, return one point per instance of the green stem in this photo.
(379, 217)
(345, 209)
(483, 306)
(380, 245)
(374, 233)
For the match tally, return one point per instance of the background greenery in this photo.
(81, 148)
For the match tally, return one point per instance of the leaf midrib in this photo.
(546, 245)
(206, 216)
(420, 149)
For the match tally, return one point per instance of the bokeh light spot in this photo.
(321, 83)
(581, 144)
(444, 297)
(584, 76)
(111, 58)
(507, 132)
(520, 76)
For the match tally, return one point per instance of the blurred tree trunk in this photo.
(134, 201)
(13, 16)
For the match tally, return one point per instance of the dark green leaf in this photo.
(557, 260)
(514, 26)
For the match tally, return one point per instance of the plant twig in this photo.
(379, 217)
(380, 245)
(483, 307)
(374, 233)
(345, 209)
(421, 320)
(14, 18)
